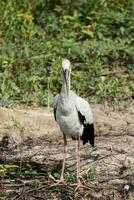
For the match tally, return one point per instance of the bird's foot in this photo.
(80, 185)
(60, 182)
(57, 182)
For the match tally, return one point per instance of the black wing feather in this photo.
(55, 105)
(81, 117)
(88, 132)
(55, 113)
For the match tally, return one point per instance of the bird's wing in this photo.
(84, 111)
(86, 118)
(55, 102)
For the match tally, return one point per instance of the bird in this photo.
(74, 117)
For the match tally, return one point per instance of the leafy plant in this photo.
(97, 36)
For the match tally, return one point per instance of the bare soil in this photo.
(31, 152)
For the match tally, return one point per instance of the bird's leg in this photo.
(79, 184)
(61, 180)
(64, 159)
(78, 161)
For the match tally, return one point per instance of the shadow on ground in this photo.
(31, 151)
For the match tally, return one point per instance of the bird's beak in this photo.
(66, 77)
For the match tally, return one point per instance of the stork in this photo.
(74, 116)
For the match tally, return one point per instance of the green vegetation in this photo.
(97, 36)
(68, 176)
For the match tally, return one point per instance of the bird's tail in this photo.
(88, 134)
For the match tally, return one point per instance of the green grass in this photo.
(97, 37)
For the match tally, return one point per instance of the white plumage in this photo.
(67, 114)
(74, 116)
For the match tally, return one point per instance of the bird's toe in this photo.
(79, 186)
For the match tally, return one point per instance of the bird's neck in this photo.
(65, 93)
(66, 90)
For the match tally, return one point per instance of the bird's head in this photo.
(66, 71)
(66, 66)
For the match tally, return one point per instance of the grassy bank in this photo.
(97, 37)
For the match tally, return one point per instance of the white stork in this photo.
(74, 116)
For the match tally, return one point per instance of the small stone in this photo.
(126, 187)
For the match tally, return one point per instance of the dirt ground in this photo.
(31, 152)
